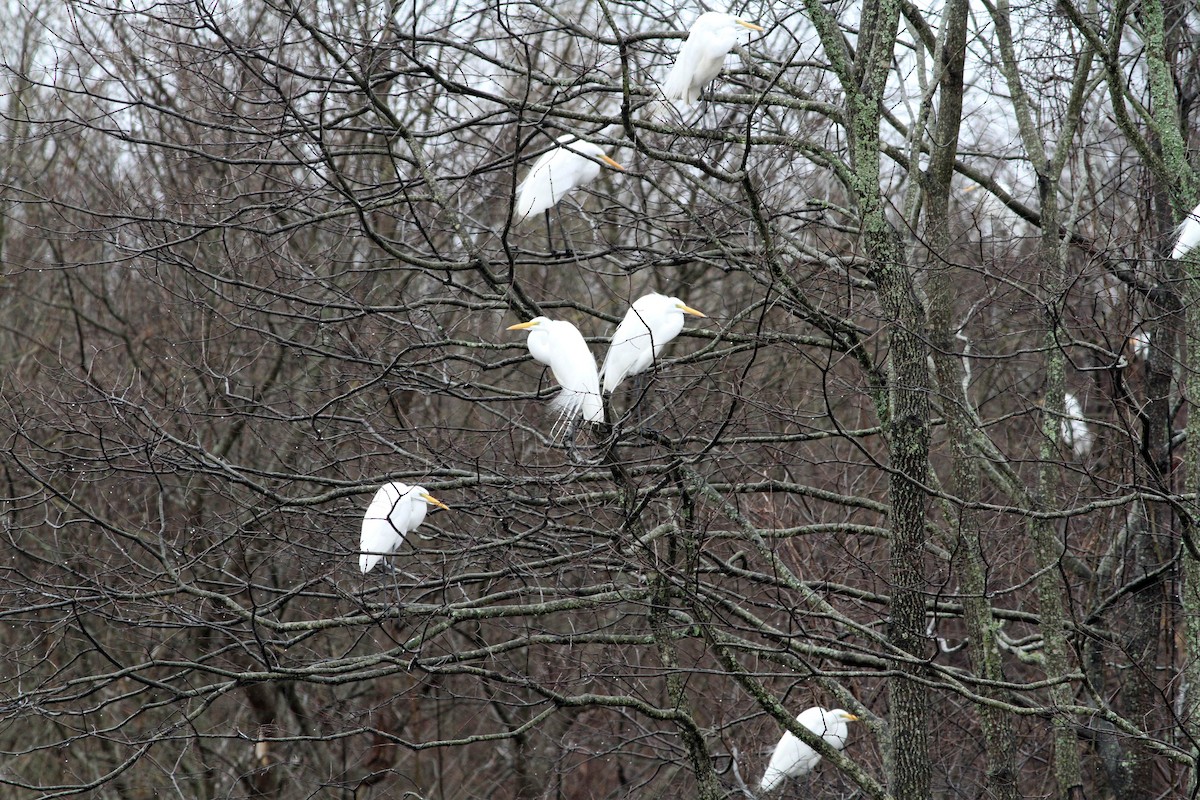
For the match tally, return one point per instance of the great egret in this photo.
(649, 324)
(1140, 342)
(573, 162)
(560, 346)
(793, 758)
(397, 509)
(1074, 431)
(702, 55)
(1189, 235)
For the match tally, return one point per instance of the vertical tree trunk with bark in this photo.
(962, 428)
(1052, 254)
(906, 417)
(1190, 593)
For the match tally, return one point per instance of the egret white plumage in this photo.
(702, 55)
(560, 346)
(1189, 234)
(1074, 430)
(572, 163)
(651, 322)
(793, 758)
(1140, 343)
(396, 509)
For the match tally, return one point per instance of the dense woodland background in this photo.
(259, 258)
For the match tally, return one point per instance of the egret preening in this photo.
(793, 758)
(1074, 431)
(572, 163)
(1189, 234)
(702, 55)
(560, 346)
(650, 323)
(397, 509)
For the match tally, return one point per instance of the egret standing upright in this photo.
(793, 758)
(651, 322)
(396, 509)
(702, 55)
(560, 346)
(1074, 429)
(572, 163)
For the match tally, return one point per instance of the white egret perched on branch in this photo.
(397, 509)
(793, 758)
(1189, 234)
(1140, 343)
(572, 163)
(1073, 429)
(560, 346)
(650, 323)
(702, 55)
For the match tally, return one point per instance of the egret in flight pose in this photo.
(1189, 235)
(397, 509)
(793, 758)
(702, 55)
(650, 323)
(572, 163)
(560, 346)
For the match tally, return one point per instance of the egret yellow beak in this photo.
(750, 25)
(850, 718)
(692, 311)
(522, 326)
(611, 163)
(433, 501)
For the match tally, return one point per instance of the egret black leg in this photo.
(571, 432)
(640, 391)
(567, 249)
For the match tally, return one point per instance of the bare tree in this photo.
(260, 259)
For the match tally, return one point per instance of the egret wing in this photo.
(1189, 235)
(537, 192)
(379, 533)
(574, 368)
(792, 758)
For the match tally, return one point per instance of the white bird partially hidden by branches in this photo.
(572, 163)
(1140, 343)
(702, 55)
(397, 509)
(650, 323)
(1189, 235)
(560, 346)
(1074, 430)
(793, 758)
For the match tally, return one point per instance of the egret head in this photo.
(587, 149)
(716, 21)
